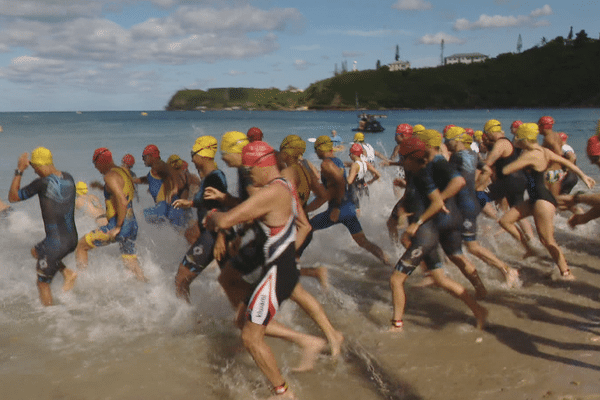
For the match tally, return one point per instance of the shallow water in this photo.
(115, 338)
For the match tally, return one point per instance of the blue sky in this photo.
(68, 55)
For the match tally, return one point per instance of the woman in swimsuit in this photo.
(534, 161)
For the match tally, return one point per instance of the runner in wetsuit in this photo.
(541, 203)
(449, 224)
(340, 207)
(467, 162)
(272, 204)
(424, 202)
(163, 185)
(508, 186)
(56, 192)
(201, 252)
(122, 226)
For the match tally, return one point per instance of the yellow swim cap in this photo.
(359, 137)
(206, 146)
(293, 145)
(175, 161)
(324, 144)
(465, 138)
(418, 128)
(81, 188)
(431, 137)
(492, 126)
(234, 142)
(478, 135)
(41, 156)
(454, 133)
(527, 131)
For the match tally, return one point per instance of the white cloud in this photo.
(501, 21)
(437, 39)
(96, 53)
(542, 12)
(302, 65)
(412, 5)
(235, 73)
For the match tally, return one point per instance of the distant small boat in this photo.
(78, 112)
(144, 113)
(368, 123)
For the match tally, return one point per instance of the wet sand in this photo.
(542, 340)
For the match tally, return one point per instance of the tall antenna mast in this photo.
(442, 55)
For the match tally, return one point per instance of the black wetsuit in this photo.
(57, 203)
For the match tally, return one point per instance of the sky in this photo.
(95, 55)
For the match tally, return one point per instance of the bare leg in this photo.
(544, 221)
(509, 220)
(468, 270)
(311, 345)
(45, 293)
(81, 253)
(69, 277)
(510, 274)
(371, 247)
(314, 309)
(455, 289)
(320, 273)
(131, 263)
(183, 279)
(398, 297)
(253, 336)
(234, 286)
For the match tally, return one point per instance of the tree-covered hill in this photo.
(561, 73)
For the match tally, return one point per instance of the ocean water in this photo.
(114, 338)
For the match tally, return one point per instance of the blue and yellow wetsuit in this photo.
(163, 211)
(128, 234)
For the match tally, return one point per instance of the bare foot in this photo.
(567, 276)
(323, 276)
(310, 351)
(69, 279)
(288, 395)
(481, 315)
(335, 343)
(512, 277)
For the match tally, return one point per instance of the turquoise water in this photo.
(110, 326)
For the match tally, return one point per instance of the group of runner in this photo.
(258, 236)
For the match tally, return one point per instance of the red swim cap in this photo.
(102, 156)
(151, 150)
(593, 146)
(447, 127)
(356, 149)
(546, 122)
(258, 154)
(128, 160)
(516, 124)
(413, 146)
(470, 132)
(254, 134)
(563, 136)
(405, 130)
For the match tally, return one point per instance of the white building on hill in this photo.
(465, 58)
(399, 66)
